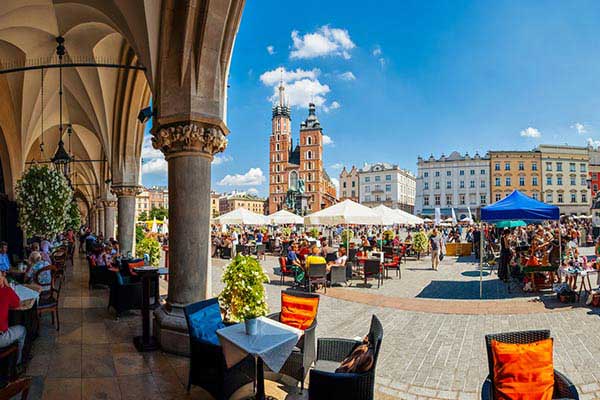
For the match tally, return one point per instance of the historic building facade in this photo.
(451, 182)
(565, 178)
(515, 170)
(594, 171)
(233, 201)
(384, 183)
(349, 184)
(288, 164)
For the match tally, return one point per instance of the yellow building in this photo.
(214, 204)
(250, 202)
(515, 170)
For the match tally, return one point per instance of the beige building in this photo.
(515, 170)
(214, 204)
(349, 184)
(565, 178)
(250, 202)
(149, 198)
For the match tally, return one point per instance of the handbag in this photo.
(441, 257)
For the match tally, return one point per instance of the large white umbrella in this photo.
(345, 213)
(283, 217)
(389, 216)
(165, 226)
(154, 226)
(408, 218)
(241, 216)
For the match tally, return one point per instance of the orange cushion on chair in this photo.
(523, 371)
(298, 312)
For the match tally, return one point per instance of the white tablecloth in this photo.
(273, 343)
(25, 293)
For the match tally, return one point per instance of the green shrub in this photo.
(243, 296)
(139, 233)
(313, 232)
(347, 235)
(420, 242)
(151, 247)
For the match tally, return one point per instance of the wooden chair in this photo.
(317, 274)
(38, 274)
(48, 302)
(12, 389)
(8, 361)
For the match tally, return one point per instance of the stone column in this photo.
(100, 227)
(110, 211)
(126, 216)
(189, 148)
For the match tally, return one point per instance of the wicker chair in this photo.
(563, 387)
(317, 274)
(372, 268)
(13, 389)
(338, 275)
(208, 368)
(325, 383)
(393, 264)
(303, 356)
(8, 362)
(125, 294)
(48, 301)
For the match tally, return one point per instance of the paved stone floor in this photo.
(424, 354)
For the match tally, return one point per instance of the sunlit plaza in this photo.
(153, 245)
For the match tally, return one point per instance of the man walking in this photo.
(435, 243)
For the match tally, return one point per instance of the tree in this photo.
(143, 216)
(149, 246)
(159, 213)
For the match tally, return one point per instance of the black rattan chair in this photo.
(317, 274)
(304, 354)
(8, 362)
(338, 275)
(372, 268)
(325, 383)
(125, 294)
(563, 387)
(208, 368)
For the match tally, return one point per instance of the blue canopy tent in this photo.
(515, 207)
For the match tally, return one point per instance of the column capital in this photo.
(204, 136)
(109, 203)
(126, 190)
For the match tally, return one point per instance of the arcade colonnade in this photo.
(175, 52)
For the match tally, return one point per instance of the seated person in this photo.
(36, 263)
(292, 257)
(304, 251)
(13, 334)
(99, 257)
(35, 246)
(314, 258)
(341, 259)
(4, 261)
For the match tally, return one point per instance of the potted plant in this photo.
(420, 243)
(347, 236)
(243, 298)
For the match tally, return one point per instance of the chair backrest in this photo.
(352, 254)
(306, 295)
(317, 271)
(14, 388)
(521, 337)
(240, 248)
(38, 273)
(193, 308)
(376, 337)
(283, 264)
(331, 257)
(372, 267)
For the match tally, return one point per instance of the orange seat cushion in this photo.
(523, 371)
(298, 312)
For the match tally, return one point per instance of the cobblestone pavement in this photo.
(424, 355)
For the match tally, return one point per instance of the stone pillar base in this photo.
(170, 330)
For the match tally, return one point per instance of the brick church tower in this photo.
(287, 163)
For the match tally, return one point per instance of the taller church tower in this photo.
(279, 152)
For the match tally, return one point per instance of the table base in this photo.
(151, 344)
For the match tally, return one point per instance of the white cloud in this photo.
(377, 51)
(149, 152)
(155, 166)
(334, 105)
(270, 50)
(580, 128)
(336, 183)
(253, 177)
(270, 78)
(325, 41)
(327, 140)
(347, 76)
(302, 92)
(337, 166)
(253, 191)
(593, 143)
(531, 132)
(220, 159)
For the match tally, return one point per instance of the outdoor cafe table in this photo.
(532, 270)
(272, 345)
(148, 274)
(26, 315)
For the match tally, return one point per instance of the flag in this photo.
(454, 221)
(438, 216)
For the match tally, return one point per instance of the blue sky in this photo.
(409, 78)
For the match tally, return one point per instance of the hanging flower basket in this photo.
(44, 198)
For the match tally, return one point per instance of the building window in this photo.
(367, 189)
(573, 181)
(367, 179)
(368, 197)
(309, 140)
(583, 180)
(448, 184)
(448, 173)
(548, 166)
(548, 180)
(448, 199)
(377, 197)
(497, 167)
(437, 173)
(353, 183)
(560, 197)
(461, 172)
(497, 182)
(507, 181)
(534, 166)
(277, 146)
(584, 197)
(573, 198)
(572, 167)
(437, 185)
(534, 195)
(425, 174)
(548, 197)
(521, 166)
(582, 168)
(521, 181)
(309, 155)
(498, 196)
(388, 187)
(482, 184)
(437, 199)
(534, 181)
(483, 199)
(507, 166)
(461, 199)
(378, 178)
(482, 172)
(559, 180)
(472, 172)
(354, 193)
(559, 167)
(472, 184)
(461, 184)
(344, 185)
(425, 185)
(388, 178)
(425, 200)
